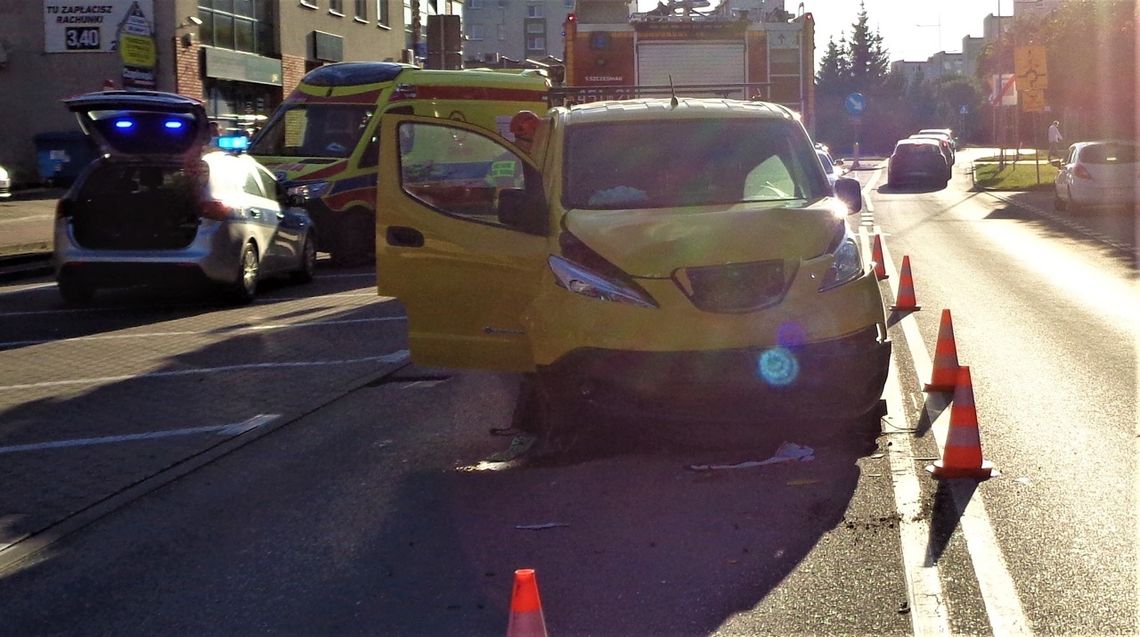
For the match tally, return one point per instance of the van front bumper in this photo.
(842, 378)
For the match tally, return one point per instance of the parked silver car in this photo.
(158, 208)
(1098, 173)
(5, 183)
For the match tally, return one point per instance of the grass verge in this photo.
(1019, 176)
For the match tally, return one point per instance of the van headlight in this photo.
(846, 267)
(580, 280)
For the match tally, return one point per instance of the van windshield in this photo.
(313, 130)
(666, 164)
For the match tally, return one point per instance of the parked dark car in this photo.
(159, 208)
(917, 160)
(944, 143)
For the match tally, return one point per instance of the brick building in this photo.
(240, 56)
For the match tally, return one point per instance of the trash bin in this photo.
(61, 155)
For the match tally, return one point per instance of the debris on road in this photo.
(788, 452)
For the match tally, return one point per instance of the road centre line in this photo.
(232, 429)
(928, 611)
(398, 356)
(928, 608)
(999, 594)
(248, 328)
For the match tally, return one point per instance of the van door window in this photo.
(458, 172)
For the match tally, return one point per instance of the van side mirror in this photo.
(849, 192)
(523, 211)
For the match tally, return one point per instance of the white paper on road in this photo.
(788, 452)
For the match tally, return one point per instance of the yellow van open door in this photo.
(462, 240)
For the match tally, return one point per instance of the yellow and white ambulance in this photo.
(323, 141)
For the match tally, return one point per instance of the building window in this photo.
(474, 4)
(336, 7)
(382, 16)
(476, 31)
(535, 43)
(534, 10)
(238, 25)
(361, 10)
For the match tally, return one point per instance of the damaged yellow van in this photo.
(667, 256)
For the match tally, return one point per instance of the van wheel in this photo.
(356, 240)
(1058, 203)
(548, 415)
(308, 265)
(244, 288)
(74, 291)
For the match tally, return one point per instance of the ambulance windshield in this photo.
(313, 130)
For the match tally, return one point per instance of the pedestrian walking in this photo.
(1054, 139)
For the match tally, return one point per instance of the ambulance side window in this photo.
(460, 173)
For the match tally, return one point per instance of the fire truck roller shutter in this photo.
(691, 63)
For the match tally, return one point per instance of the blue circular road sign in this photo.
(855, 104)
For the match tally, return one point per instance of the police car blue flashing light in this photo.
(124, 124)
(239, 142)
(173, 124)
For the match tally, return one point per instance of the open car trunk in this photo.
(138, 207)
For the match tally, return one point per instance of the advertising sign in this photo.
(136, 48)
(91, 26)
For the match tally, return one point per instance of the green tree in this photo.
(868, 58)
(834, 67)
(860, 64)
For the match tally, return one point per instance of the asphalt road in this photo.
(378, 499)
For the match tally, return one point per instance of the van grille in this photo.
(737, 287)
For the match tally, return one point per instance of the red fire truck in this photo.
(612, 53)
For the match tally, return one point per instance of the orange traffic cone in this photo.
(526, 609)
(945, 374)
(962, 457)
(906, 301)
(877, 258)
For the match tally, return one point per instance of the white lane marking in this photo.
(393, 357)
(28, 218)
(928, 611)
(371, 275)
(928, 614)
(247, 328)
(232, 429)
(999, 594)
(34, 287)
(189, 306)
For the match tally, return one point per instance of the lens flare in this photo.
(778, 366)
